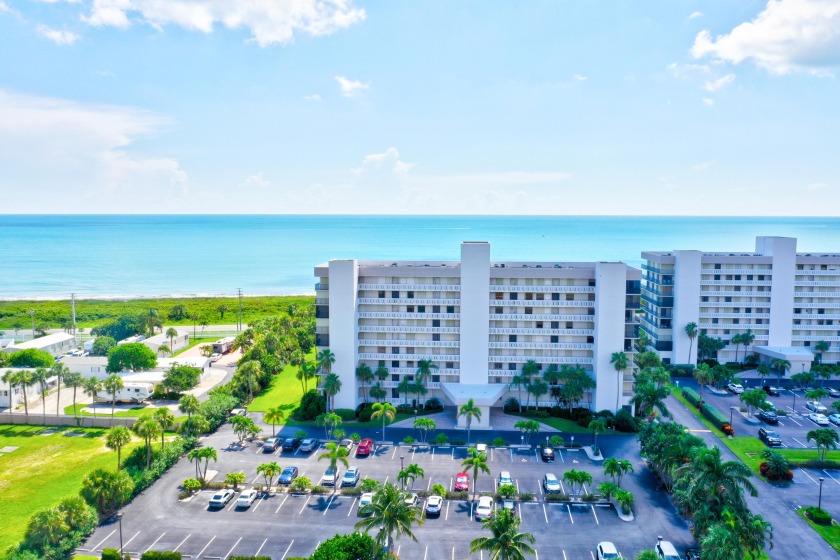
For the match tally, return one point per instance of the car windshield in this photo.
(288, 470)
(771, 433)
(330, 472)
(610, 555)
(461, 478)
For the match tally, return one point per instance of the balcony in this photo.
(413, 371)
(412, 287)
(559, 332)
(322, 286)
(404, 357)
(543, 289)
(408, 301)
(735, 282)
(538, 303)
(322, 340)
(542, 317)
(406, 329)
(541, 346)
(405, 315)
(578, 360)
(411, 343)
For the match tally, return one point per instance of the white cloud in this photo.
(64, 152)
(579, 78)
(787, 35)
(57, 36)
(4, 8)
(269, 22)
(313, 97)
(349, 88)
(257, 181)
(708, 101)
(723, 81)
(700, 167)
(695, 15)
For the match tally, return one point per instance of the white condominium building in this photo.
(789, 301)
(478, 321)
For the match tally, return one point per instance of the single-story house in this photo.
(55, 344)
(176, 343)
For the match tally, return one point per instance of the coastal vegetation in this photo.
(18, 315)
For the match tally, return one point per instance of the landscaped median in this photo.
(829, 530)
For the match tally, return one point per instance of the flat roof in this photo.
(55, 338)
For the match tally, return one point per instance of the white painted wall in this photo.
(475, 312)
(344, 280)
(783, 251)
(687, 268)
(610, 303)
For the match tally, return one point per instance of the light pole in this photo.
(819, 500)
(731, 412)
(794, 401)
(573, 442)
(546, 441)
(119, 518)
(402, 468)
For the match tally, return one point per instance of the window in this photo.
(436, 309)
(555, 324)
(410, 295)
(409, 363)
(421, 309)
(395, 350)
(395, 364)
(498, 310)
(736, 321)
(715, 321)
(555, 339)
(736, 310)
(529, 296)
(395, 294)
(717, 276)
(450, 309)
(435, 322)
(540, 297)
(727, 299)
(512, 367)
(555, 297)
(381, 294)
(435, 337)
(409, 350)
(749, 276)
(497, 365)
(539, 324)
(590, 340)
(529, 311)
(717, 266)
(498, 295)
(748, 310)
(570, 325)
(592, 283)
(514, 296)
(737, 277)
(450, 365)
(570, 297)
(704, 299)
(511, 338)
(409, 309)
(380, 349)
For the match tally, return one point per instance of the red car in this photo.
(364, 448)
(462, 482)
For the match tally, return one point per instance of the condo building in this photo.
(477, 320)
(789, 301)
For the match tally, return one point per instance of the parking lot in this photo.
(284, 525)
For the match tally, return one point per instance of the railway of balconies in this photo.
(656, 291)
(652, 268)
(322, 301)
(811, 295)
(541, 346)
(575, 360)
(712, 304)
(649, 326)
(322, 286)
(658, 301)
(414, 343)
(712, 330)
(733, 293)
(801, 327)
(394, 357)
(736, 327)
(704, 315)
(818, 305)
(406, 315)
(540, 317)
(413, 371)
(407, 301)
(649, 279)
(543, 289)
(560, 332)
(812, 338)
(412, 287)
(395, 384)
(539, 303)
(832, 284)
(735, 282)
(408, 329)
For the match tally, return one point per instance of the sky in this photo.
(551, 107)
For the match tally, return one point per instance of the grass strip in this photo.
(831, 533)
(677, 392)
(134, 412)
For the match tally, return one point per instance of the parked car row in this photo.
(289, 445)
(665, 550)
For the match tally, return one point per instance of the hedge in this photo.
(160, 555)
(691, 396)
(721, 421)
(346, 414)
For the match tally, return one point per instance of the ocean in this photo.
(121, 256)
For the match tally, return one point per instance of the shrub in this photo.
(364, 414)
(717, 418)
(351, 491)
(190, 485)
(608, 489)
(624, 422)
(346, 547)
(311, 406)
(408, 439)
(301, 434)
(162, 460)
(441, 439)
(457, 495)
(369, 485)
(300, 484)
(458, 441)
(111, 554)
(434, 404)
(557, 497)
(160, 555)
(691, 396)
(680, 370)
(318, 489)
(507, 490)
(542, 414)
(405, 409)
(499, 442)
(556, 441)
(346, 414)
(589, 497)
(511, 405)
(625, 500)
(818, 516)
(766, 472)
(556, 412)
(439, 490)
(526, 496)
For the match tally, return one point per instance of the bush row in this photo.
(717, 418)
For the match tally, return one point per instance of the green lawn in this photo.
(831, 533)
(193, 342)
(134, 412)
(564, 425)
(44, 469)
(285, 391)
(677, 392)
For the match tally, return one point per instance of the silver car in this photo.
(818, 419)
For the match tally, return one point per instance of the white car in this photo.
(484, 509)
(736, 388)
(816, 406)
(214, 357)
(505, 478)
(351, 477)
(607, 551)
(411, 499)
(550, 483)
(481, 448)
(246, 498)
(366, 499)
(330, 476)
(221, 498)
(666, 551)
(818, 419)
(434, 505)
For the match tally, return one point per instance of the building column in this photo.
(687, 267)
(344, 280)
(610, 305)
(783, 251)
(475, 313)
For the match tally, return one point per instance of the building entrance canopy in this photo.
(800, 358)
(483, 396)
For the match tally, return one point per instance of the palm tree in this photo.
(244, 341)
(424, 371)
(106, 490)
(747, 339)
(824, 439)
(152, 322)
(404, 388)
(92, 386)
(529, 369)
(222, 309)
(469, 411)
(782, 365)
(389, 513)
(195, 455)
(75, 380)
(40, 376)
(335, 453)
(164, 350)
(113, 383)
(251, 370)
(411, 473)
(821, 347)
(707, 477)
(538, 388)
(47, 528)
(306, 371)
(617, 468)
(24, 379)
(365, 376)
(166, 419)
(59, 371)
(117, 437)
(382, 372)
(620, 362)
(172, 334)
(691, 332)
(477, 461)
(704, 375)
(598, 426)
(649, 397)
(188, 404)
(506, 542)
(736, 340)
(425, 425)
(383, 410)
(332, 386)
(269, 471)
(147, 428)
(194, 425)
(274, 416)
(325, 360)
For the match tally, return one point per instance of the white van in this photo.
(130, 393)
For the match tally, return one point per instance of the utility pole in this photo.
(32, 316)
(73, 308)
(239, 324)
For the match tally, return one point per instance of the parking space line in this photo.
(413, 451)
(232, 504)
(326, 509)
(259, 502)
(595, 514)
(446, 518)
(433, 453)
(562, 488)
(261, 547)
(536, 455)
(103, 540)
(398, 550)
(289, 548)
(304, 504)
(205, 547)
(154, 543)
(129, 540)
(545, 513)
(540, 487)
(395, 451)
(256, 478)
(182, 542)
(794, 421)
(286, 497)
(517, 485)
(386, 479)
(231, 548)
(426, 553)
(831, 477)
(561, 455)
(351, 507)
(450, 484)
(592, 554)
(491, 455)
(799, 442)
(453, 454)
(536, 554)
(803, 471)
(564, 555)
(570, 514)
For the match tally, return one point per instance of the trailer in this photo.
(223, 345)
(130, 393)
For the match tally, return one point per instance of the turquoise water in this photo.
(120, 256)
